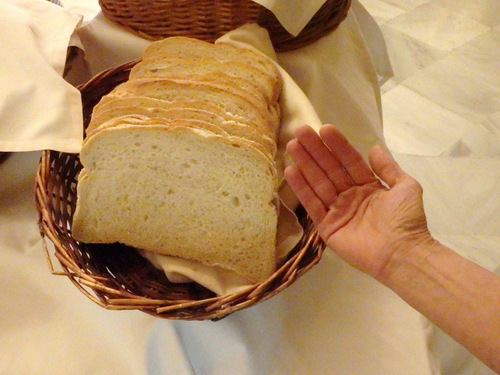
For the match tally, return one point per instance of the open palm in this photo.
(359, 218)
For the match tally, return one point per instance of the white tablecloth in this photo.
(334, 320)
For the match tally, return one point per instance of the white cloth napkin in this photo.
(292, 14)
(38, 108)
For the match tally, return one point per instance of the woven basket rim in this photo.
(90, 270)
(209, 20)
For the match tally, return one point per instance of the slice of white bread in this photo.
(232, 128)
(182, 192)
(219, 79)
(214, 107)
(231, 99)
(138, 119)
(202, 68)
(144, 120)
(194, 48)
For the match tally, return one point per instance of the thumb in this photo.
(384, 165)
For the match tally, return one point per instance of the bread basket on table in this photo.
(209, 19)
(117, 277)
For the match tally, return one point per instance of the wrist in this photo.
(407, 256)
(456, 294)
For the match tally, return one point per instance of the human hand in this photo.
(359, 218)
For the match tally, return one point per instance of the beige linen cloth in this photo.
(334, 320)
(293, 15)
(38, 109)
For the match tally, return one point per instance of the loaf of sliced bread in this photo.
(180, 158)
(182, 192)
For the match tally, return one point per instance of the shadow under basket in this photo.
(117, 277)
(210, 19)
(4, 156)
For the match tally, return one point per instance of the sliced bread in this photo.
(230, 98)
(182, 192)
(236, 71)
(145, 120)
(232, 128)
(194, 48)
(179, 159)
(109, 103)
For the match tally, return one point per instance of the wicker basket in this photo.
(115, 276)
(210, 19)
(3, 156)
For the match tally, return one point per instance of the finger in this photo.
(324, 157)
(316, 178)
(305, 194)
(385, 166)
(350, 159)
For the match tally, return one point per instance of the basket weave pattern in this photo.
(210, 19)
(117, 277)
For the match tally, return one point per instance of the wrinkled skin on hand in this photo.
(362, 218)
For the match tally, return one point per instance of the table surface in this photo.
(441, 120)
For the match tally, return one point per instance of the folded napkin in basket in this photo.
(293, 15)
(38, 108)
(296, 110)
